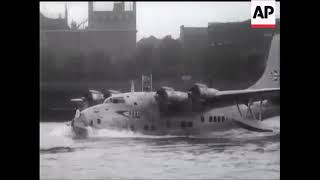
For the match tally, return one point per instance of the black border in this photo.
(21, 87)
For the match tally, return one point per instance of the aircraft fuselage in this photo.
(140, 112)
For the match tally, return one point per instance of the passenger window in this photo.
(168, 124)
(202, 119)
(153, 128)
(222, 118)
(183, 124)
(146, 127)
(98, 121)
(190, 124)
(218, 119)
(215, 118)
(132, 128)
(210, 119)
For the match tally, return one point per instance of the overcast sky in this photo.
(162, 18)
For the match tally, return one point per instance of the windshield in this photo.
(115, 100)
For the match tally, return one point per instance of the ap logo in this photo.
(263, 14)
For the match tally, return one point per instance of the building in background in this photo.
(240, 34)
(194, 41)
(110, 33)
(234, 51)
(54, 24)
(121, 16)
(194, 36)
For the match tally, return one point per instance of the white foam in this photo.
(59, 134)
(112, 133)
(272, 123)
(229, 134)
(62, 131)
(55, 135)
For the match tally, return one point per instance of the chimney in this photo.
(90, 14)
(134, 7)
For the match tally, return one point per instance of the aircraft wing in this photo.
(201, 94)
(231, 97)
(248, 94)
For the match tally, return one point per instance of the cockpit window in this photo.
(115, 100)
(108, 100)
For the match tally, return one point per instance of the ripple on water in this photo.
(57, 150)
(238, 155)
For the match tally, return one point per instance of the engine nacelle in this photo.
(169, 96)
(202, 91)
(110, 92)
(94, 97)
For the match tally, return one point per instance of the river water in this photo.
(107, 154)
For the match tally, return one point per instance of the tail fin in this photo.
(271, 75)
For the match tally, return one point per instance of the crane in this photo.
(74, 25)
(82, 23)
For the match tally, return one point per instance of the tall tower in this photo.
(66, 13)
(135, 14)
(90, 13)
(114, 28)
(120, 17)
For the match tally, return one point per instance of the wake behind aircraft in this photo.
(200, 110)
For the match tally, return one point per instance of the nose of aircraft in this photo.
(79, 126)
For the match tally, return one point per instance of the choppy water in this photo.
(125, 155)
